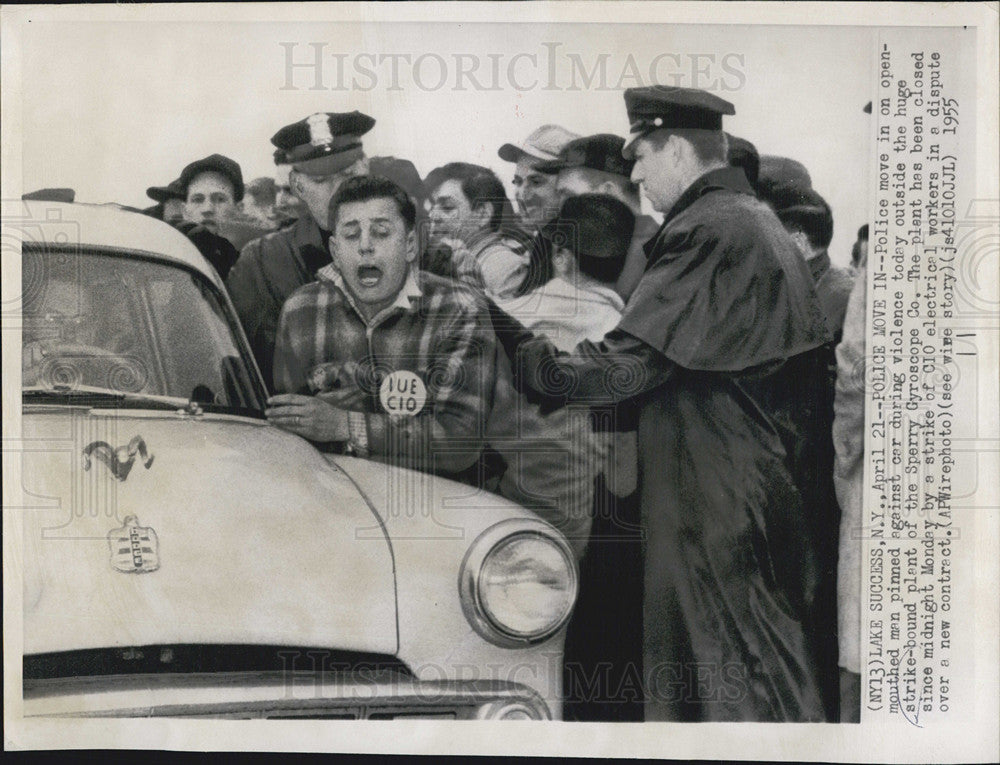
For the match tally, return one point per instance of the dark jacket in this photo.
(268, 271)
(723, 344)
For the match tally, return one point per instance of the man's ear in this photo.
(676, 146)
(483, 213)
(411, 245)
(562, 261)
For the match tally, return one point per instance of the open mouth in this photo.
(369, 276)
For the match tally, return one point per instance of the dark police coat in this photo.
(267, 272)
(723, 345)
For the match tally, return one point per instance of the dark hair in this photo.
(606, 270)
(744, 155)
(597, 229)
(361, 188)
(480, 186)
(802, 209)
(856, 254)
(263, 190)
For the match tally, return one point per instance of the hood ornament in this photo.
(134, 548)
(119, 461)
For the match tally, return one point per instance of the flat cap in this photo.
(173, 190)
(214, 163)
(660, 106)
(544, 143)
(323, 143)
(789, 199)
(801, 207)
(778, 172)
(595, 152)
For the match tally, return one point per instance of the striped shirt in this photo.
(493, 263)
(436, 329)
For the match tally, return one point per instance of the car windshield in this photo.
(117, 328)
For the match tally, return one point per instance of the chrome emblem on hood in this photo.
(120, 460)
(134, 548)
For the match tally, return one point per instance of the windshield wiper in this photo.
(101, 398)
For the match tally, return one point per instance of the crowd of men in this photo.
(662, 392)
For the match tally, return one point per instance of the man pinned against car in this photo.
(313, 157)
(377, 358)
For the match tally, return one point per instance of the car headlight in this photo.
(518, 583)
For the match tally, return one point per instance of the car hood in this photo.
(235, 533)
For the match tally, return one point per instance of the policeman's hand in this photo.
(308, 416)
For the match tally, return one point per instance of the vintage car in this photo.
(183, 557)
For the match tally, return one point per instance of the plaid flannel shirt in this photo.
(436, 328)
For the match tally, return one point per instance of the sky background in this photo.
(112, 108)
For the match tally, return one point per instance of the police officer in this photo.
(322, 151)
(724, 347)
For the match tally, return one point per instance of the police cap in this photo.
(323, 143)
(660, 106)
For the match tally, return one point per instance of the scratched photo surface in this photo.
(389, 374)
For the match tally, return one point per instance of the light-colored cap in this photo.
(545, 143)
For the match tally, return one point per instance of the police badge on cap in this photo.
(323, 143)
